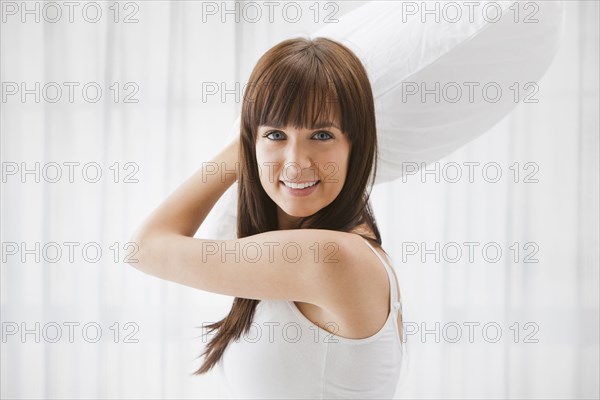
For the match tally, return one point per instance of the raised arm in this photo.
(186, 208)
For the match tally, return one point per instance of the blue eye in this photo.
(328, 137)
(327, 133)
(272, 132)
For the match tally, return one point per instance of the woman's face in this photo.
(302, 156)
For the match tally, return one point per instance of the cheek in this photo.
(265, 154)
(260, 154)
(267, 170)
(334, 167)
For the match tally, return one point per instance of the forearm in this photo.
(186, 208)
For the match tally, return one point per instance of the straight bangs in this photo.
(298, 93)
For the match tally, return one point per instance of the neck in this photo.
(286, 221)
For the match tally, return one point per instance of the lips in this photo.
(300, 185)
(299, 192)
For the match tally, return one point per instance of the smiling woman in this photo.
(308, 137)
(318, 160)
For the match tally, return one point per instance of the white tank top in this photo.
(285, 355)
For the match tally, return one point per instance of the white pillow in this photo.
(490, 44)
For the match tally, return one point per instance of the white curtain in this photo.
(81, 324)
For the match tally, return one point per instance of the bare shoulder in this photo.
(360, 306)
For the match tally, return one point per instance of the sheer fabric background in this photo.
(176, 60)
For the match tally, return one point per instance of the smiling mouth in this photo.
(300, 186)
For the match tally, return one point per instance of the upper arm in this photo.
(308, 265)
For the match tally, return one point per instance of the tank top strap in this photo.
(395, 304)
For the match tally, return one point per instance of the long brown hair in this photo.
(297, 82)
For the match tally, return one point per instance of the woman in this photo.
(317, 309)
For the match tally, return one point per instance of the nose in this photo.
(298, 162)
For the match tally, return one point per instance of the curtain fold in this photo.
(171, 86)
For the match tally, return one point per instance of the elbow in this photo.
(135, 257)
(139, 256)
(149, 257)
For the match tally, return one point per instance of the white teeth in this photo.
(299, 185)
